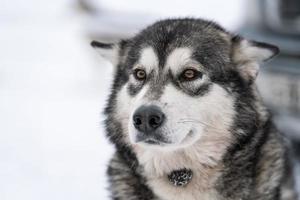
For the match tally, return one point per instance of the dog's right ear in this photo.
(109, 51)
(249, 54)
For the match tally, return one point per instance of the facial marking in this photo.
(179, 58)
(213, 111)
(188, 106)
(148, 59)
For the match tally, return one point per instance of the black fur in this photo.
(253, 132)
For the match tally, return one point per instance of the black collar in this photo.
(180, 177)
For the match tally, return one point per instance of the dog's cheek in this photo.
(123, 108)
(217, 109)
(179, 113)
(185, 113)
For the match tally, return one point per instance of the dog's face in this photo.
(176, 81)
(171, 104)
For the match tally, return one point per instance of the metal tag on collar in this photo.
(180, 177)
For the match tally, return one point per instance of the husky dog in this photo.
(187, 120)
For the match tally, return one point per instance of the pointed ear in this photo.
(109, 51)
(247, 55)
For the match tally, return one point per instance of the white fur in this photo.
(198, 128)
(249, 52)
(214, 109)
(248, 57)
(249, 70)
(180, 57)
(148, 59)
(205, 149)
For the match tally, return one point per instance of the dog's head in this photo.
(177, 81)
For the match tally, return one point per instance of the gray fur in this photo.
(255, 162)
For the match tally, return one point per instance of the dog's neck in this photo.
(202, 158)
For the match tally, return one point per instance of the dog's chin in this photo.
(189, 139)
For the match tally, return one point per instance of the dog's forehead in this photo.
(148, 59)
(177, 52)
(177, 58)
(173, 44)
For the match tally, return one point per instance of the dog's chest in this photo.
(203, 159)
(164, 190)
(157, 166)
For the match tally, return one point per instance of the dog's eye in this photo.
(140, 74)
(190, 74)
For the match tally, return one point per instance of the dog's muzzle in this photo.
(147, 119)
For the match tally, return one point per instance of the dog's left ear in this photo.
(248, 55)
(109, 51)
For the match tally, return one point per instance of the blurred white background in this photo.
(51, 96)
(53, 88)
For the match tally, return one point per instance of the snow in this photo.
(52, 92)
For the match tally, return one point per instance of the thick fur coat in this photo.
(202, 78)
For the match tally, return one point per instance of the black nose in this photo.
(148, 118)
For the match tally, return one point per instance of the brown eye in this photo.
(140, 74)
(190, 74)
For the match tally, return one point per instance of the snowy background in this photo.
(53, 88)
(52, 91)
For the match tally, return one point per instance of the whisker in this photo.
(187, 120)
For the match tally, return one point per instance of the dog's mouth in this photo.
(158, 140)
(152, 139)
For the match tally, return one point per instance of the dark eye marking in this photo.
(190, 75)
(133, 89)
(139, 74)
